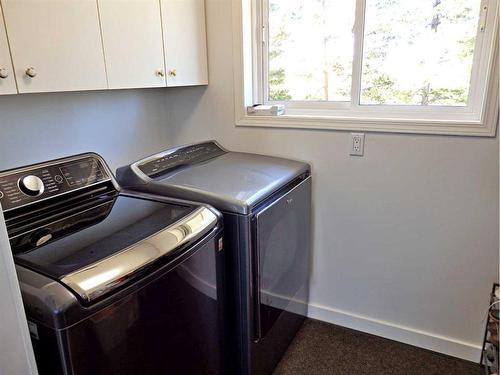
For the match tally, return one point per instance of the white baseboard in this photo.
(407, 335)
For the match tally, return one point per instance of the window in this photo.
(392, 65)
(419, 52)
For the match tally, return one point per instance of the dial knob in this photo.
(31, 185)
(3, 73)
(31, 72)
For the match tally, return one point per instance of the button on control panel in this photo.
(22, 187)
(188, 155)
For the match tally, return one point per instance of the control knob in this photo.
(31, 185)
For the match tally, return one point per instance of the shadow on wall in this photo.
(121, 125)
(184, 106)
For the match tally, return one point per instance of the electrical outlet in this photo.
(357, 144)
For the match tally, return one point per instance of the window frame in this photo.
(478, 118)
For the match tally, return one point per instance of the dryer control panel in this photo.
(24, 186)
(161, 164)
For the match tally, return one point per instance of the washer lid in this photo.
(229, 181)
(119, 239)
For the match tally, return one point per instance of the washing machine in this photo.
(114, 283)
(266, 204)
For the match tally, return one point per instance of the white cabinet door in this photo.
(185, 42)
(7, 81)
(56, 44)
(133, 45)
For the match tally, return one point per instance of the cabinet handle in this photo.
(160, 73)
(31, 72)
(3, 73)
(172, 73)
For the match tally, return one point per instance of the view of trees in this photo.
(413, 50)
(310, 49)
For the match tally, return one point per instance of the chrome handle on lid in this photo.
(109, 273)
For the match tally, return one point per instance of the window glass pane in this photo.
(310, 49)
(418, 52)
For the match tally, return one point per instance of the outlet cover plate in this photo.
(357, 144)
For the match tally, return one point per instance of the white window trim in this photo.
(474, 120)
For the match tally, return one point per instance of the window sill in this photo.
(484, 128)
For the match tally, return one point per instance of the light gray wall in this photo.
(120, 125)
(405, 238)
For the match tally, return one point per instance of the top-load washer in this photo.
(113, 283)
(266, 204)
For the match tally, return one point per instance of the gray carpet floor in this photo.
(322, 348)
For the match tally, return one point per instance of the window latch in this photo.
(266, 110)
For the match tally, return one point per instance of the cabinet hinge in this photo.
(483, 17)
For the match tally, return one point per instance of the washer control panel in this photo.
(167, 161)
(24, 186)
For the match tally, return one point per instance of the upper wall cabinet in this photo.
(185, 43)
(133, 45)
(55, 45)
(7, 81)
(72, 45)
